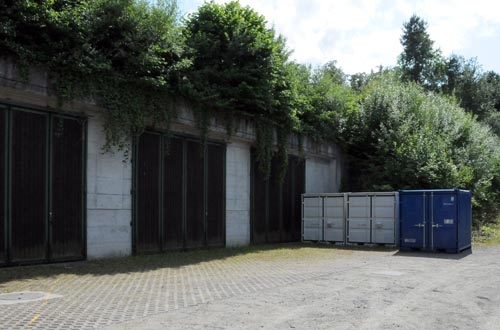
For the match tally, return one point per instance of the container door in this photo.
(66, 217)
(195, 223)
(464, 220)
(29, 186)
(312, 218)
(3, 195)
(173, 227)
(383, 219)
(148, 193)
(334, 228)
(215, 195)
(443, 230)
(358, 218)
(413, 220)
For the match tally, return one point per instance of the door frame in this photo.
(165, 136)
(9, 108)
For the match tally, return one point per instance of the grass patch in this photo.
(256, 253)
(488, 235)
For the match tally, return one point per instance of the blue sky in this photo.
(362, 34)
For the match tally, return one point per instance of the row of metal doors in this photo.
(276, 206)
(41, 186)
(180, 193)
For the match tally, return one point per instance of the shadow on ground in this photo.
(435, 255)
(171, 259)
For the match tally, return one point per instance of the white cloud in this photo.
(362, 34)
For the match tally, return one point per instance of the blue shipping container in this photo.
(433, 220)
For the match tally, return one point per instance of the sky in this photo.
(363, 34)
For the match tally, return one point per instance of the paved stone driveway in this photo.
(301, 287)
(92, 301)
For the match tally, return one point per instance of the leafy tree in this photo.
(134, 59)
(358, 81)
(125, 54)
(326, 108)
(418, 61)
(234, 56)
(334, 72)
(478, 92)
(239, 66)
(409, 139)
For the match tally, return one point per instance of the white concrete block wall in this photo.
(109, 206)
(237, 194)
(321, 175)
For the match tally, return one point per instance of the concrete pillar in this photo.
(109, 206)
(237, 194)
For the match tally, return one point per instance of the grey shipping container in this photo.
(367, 217)
(312, 218)
(372, 217)
(334, 218)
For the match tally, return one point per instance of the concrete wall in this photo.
(237, 194)
(322, 175)
(109, 179)
(109, 206)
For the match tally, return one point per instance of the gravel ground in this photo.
(293, 287)
(366, 290)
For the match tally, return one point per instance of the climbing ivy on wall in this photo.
(136, 60)
(124, 54)
(238, 66)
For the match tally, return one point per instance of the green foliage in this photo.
(409, 139)
(239, 65)
(488, 234)
(419, 62)
(401, 128)
(324, 107)
(124, 54)
(477, 92)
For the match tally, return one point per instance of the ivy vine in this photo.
(136, 60)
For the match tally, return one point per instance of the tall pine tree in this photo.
(418, 57)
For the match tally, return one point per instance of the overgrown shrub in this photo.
(412, 139)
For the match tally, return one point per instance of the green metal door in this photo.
(195, 213)
(67, 193)
(42, 186)
(147, 229)
(3, 195)
(28, 186)
(276, 206)
(180, 193)
(215, 194)
(173, 165)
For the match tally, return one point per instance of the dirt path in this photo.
(362, 290)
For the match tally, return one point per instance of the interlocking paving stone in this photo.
(91, 301)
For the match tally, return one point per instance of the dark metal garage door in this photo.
(276, 206)
(180, 193)
(148, 192)
(215, 183)
(3, 195)
(173, 229)
(41, 186)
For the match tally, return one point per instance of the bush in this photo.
(411, 139)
